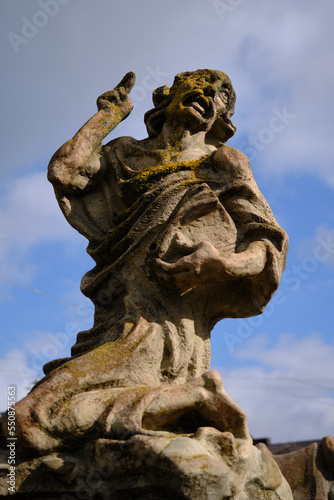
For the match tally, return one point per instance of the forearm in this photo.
(89, 138)
(79, 159)
(204, 264)
(248, 263)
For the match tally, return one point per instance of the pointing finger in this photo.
(127, 82)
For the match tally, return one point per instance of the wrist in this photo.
(250, 262)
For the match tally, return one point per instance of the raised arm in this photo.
(79, 159)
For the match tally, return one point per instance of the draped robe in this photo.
(130, 212)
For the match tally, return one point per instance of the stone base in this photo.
(209, 465)
(205, 466)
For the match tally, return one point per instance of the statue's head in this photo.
(198, 100)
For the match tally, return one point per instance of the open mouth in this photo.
(198, 107)
(199, 103)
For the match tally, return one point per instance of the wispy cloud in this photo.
(321, 244)
(29, 213)
(15, 371)
(29, 216)
(284, 62)
(287, 390)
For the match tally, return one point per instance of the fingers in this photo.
(127, 82)
(181, 275)
(119, 95)
(181, 266)
(182, 244)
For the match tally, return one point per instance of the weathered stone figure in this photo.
(182, 238)
(176, 209)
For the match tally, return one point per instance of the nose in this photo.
(210, 91)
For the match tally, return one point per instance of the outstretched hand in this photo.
(118, 97)
(200, 265)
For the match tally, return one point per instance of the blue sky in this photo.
(57, 57)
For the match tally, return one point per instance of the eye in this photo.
(225, 95)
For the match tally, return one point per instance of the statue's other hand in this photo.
(118, 100)
(202, 264)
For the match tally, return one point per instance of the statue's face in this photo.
(199, 101)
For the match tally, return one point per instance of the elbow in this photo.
(58, 168)
(65, 178)
(58, 173)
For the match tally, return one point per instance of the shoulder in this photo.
(233, 155)
(233, 162)
(121, 144)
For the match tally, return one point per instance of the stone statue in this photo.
(182, 238)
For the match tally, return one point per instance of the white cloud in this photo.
(282, 57)
(47, 346)
(307, 357)
(320, 246)
(289, 394)
(22, 367)
(29, 216)
(29, 213)
(15, 371)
